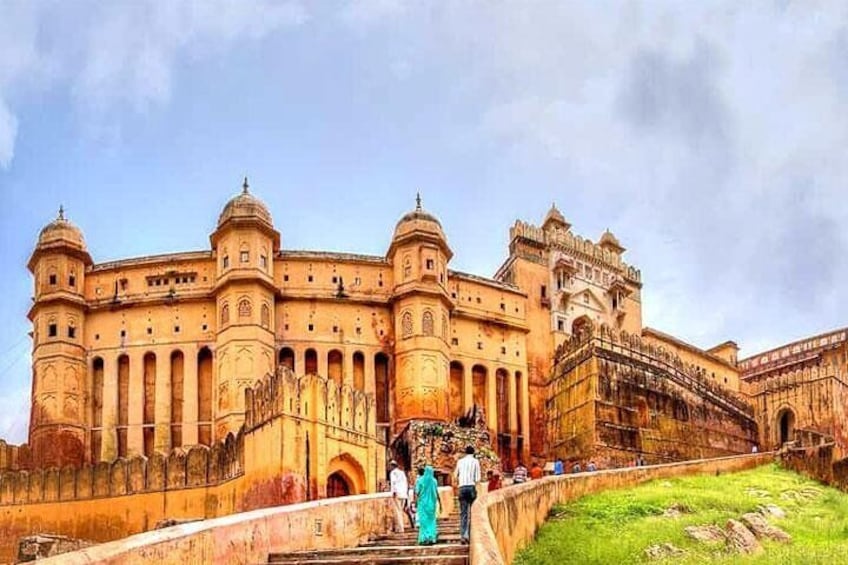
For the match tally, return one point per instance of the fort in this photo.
(198, 384)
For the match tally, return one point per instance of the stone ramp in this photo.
(386, 549)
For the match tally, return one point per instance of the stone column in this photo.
(162, 398)
(370, 373)
(322, 362)
(491, 400)
(109, 435)
(467, 389)
(135, 405)
(513, 406)
(347, 366)
(190, 406)
(525, 417)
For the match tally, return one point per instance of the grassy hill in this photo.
(617, 527)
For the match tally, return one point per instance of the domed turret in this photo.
(245, 206)
(609, 242)
(554, 218)
(61, 230)
(60, 236)
(58, 315)
(245, 210)
(419, 224)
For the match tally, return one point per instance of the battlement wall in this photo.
(14, 457)
(634, 348)
(197, 466)
(614, 397)
(310, 397)
(576, 244)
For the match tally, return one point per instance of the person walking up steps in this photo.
(400, 492)
(427, 495)
(467, 477)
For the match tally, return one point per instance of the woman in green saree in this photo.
(427, 499)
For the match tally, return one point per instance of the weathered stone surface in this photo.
(772, 510)
(758, 493)
(168, 522)
(708, 533)
(39, 546)
(676, 510)
(740, 538)
(762, 529)
(663, 550)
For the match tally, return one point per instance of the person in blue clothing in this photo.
(559, 468)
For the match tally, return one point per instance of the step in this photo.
(388, 560)
(370, 552)
(452, 540)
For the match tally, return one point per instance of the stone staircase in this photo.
(390, 548)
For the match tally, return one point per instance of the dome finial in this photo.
(418, 201)
(245, 186)
(61, 212)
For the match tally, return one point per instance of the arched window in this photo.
(310, 362)
(266, 316)
(427, 323)
(335, 366)
(406, 325)
(244, 309)
(287, 357)
(225, 314)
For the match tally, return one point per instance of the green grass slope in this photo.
(617, 527)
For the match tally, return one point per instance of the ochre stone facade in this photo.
(801, 386)
(317, 364)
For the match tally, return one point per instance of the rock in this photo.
(740, 538)
(762, 529)
(676, 510)
(803, 495)
(708, 533)
(759, 493)
(661, 551)
(40, 546)
(772, 510)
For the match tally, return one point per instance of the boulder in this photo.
(740, 538)
(762, 529)
(663, 550)
(708, 533)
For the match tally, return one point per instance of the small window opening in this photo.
(72, 281)
(51, 330)
(72, 332)
(52, 279)
(244, 257)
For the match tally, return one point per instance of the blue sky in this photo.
(712, 140)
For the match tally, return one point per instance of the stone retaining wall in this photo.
(504, 521)
(248, 537)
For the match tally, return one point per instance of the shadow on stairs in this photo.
(384, 549)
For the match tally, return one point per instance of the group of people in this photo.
(421, 504)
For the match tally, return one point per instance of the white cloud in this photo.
(8, 133)
(119, 56)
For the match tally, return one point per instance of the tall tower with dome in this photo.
(244, 245)
(59, 413)
(421, 306)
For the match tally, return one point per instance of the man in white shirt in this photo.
(400, 491)
(467, 477)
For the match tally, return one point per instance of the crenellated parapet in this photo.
(309, 397)
(789, 378)
(574, 244)
(196, 466)
(604, 341)
(14, 457)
